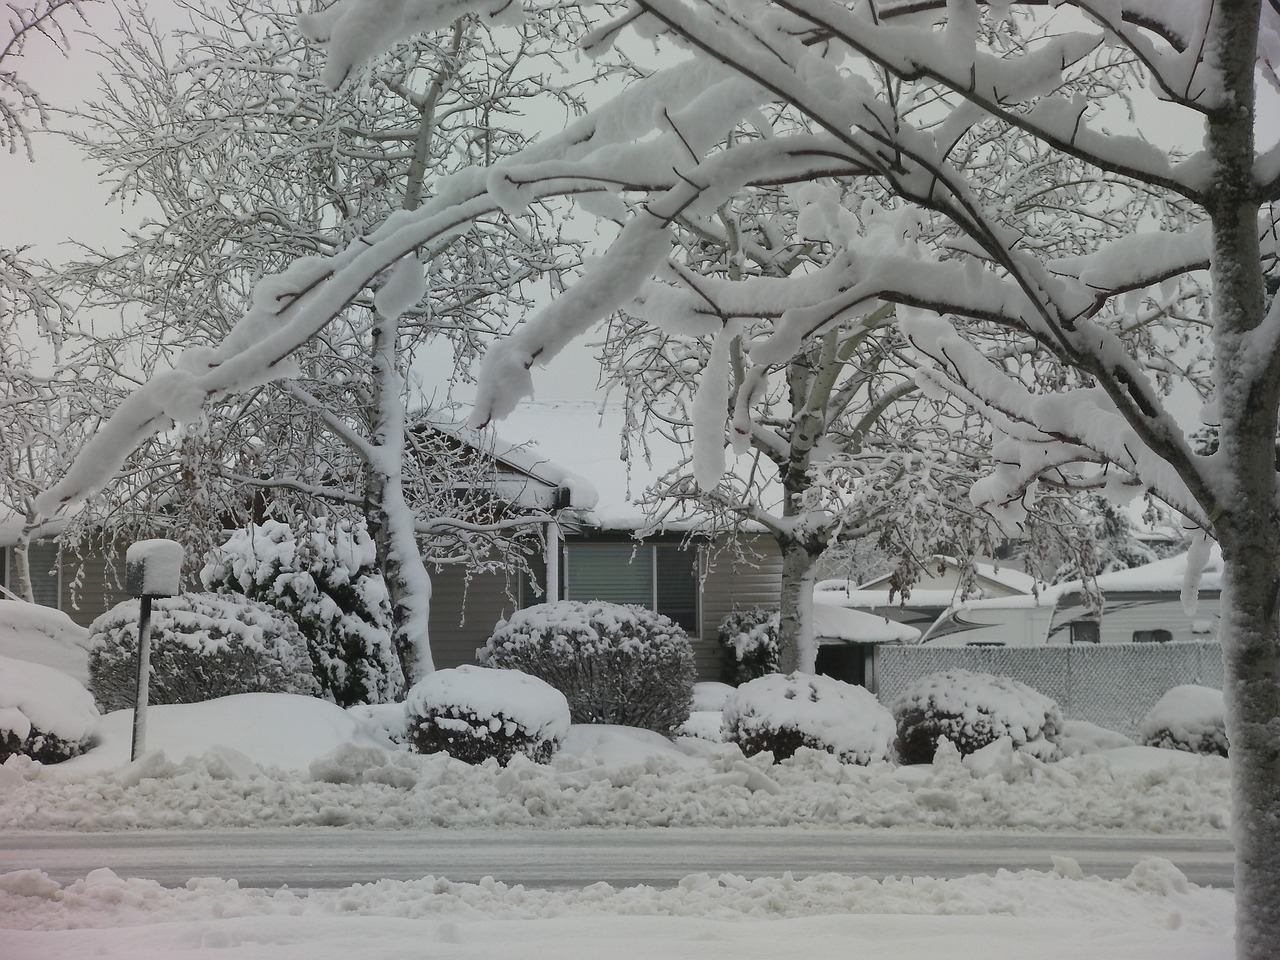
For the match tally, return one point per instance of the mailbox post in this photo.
(153, 568)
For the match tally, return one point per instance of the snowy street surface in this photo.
(328, 858)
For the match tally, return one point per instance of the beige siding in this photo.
(463, 613)
(733, 584)
(96, 590)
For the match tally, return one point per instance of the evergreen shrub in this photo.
(203, 646)
(615, 663)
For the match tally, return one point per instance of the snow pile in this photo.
(1190, 718)
(616, 663)
(783, 712)
(43, 635)
(474, 713)
(202, 646)
(44, 713)
(265, 760)
(972, 710)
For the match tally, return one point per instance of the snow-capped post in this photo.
(153, 568)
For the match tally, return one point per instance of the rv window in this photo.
(1152, 636)
(1085, 631)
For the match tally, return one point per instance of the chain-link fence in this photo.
(1112, 685)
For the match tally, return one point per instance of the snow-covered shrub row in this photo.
(1190, 718)
(44, 714)
(973, 710)
(327, 581)
(599, 783)
(475, 713)
(749, 639)
(203, 645)
(616, 663)
(781, 713)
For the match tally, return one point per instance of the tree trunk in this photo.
(388, 517)
(1250, 633)
(1248, 390)
(22, 567)
(797, 647)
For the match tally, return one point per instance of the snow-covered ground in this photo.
(277, 760)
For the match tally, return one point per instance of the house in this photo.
(574, 456)
(80, 586)
(575, 474)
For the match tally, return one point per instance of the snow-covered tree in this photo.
(22, 109)
(840, 447)
(1049, 343)
(1108, 541)
(252, 164)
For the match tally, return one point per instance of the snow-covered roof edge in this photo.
(523, 458)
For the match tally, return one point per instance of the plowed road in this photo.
(333, 857)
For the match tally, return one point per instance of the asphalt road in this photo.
(325, 858)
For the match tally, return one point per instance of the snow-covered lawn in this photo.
(261, 760)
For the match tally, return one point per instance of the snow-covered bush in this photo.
(474, 713)
(44, 714)
(616, 663)
(972, 710)
(1189, 718)
(203, 646)
(326, 580)
(783, 712)
(749, 639)
(39, 634)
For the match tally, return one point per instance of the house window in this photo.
(1152, 636)
(1085, 631)
(660, 576)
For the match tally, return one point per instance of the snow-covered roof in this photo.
(833, 622)
(842, 593)
(992, 579)
(1161, 576)
(525, 459)
(588, 440)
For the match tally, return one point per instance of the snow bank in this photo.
(263, 760)
(1154, 914)
(285, 731)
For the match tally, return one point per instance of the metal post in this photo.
(144, 678)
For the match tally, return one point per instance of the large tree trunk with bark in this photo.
(797, 647)
(1246, 523)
